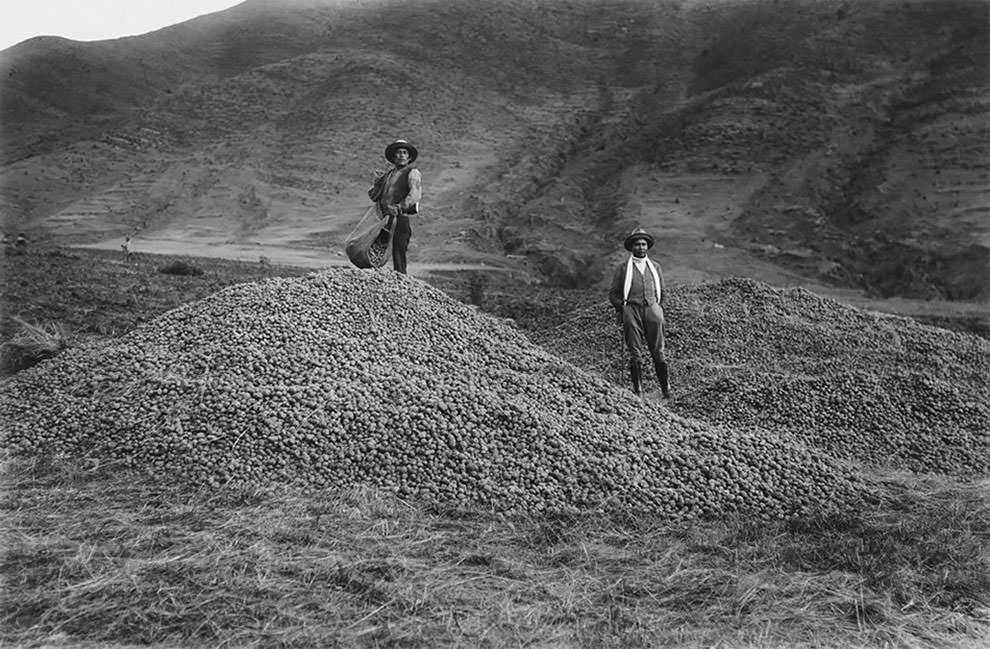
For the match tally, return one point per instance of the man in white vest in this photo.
(637, 294)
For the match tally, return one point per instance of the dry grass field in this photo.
(94, 559)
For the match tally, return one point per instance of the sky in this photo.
(95, 20)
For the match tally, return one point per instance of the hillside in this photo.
(787, 141)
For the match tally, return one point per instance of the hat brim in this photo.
(645, 237)
(392, 148)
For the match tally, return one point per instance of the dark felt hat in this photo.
(638, 233)
(400, 144)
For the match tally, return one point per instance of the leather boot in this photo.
(663, 377)
(636, 373)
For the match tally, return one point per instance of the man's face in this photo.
(401, 157)
(639, 248)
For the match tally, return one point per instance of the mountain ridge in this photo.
(762, 134)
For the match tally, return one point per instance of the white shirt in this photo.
(641, 265)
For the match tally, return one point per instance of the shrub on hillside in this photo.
(179, 267)
(566, 269)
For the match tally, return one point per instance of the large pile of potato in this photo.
(364, 377)
(864, 386)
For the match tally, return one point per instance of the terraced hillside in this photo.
(259, 133)
(780, 138)
(816, 140)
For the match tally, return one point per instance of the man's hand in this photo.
(392, 210)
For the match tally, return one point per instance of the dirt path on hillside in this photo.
(694, 262)
(280, 255)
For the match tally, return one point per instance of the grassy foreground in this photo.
(93, 558)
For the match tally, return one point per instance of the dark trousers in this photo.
(400, 242)
(643, 324)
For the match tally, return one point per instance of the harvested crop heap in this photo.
(361, 377)
(860, 385)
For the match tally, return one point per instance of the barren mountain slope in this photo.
(265, 142)
(849, 143)
(779, 140)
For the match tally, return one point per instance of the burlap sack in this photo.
(369, 245)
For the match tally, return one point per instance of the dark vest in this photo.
(643, 289)
(396, 186)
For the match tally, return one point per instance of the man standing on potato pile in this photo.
(397, 193)
(637, 294)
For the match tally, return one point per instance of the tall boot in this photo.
(636, 373)
(663, 377)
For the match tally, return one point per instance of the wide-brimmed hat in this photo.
(400, 144)
(638, 233)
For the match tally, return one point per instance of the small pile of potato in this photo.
(863, 386)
